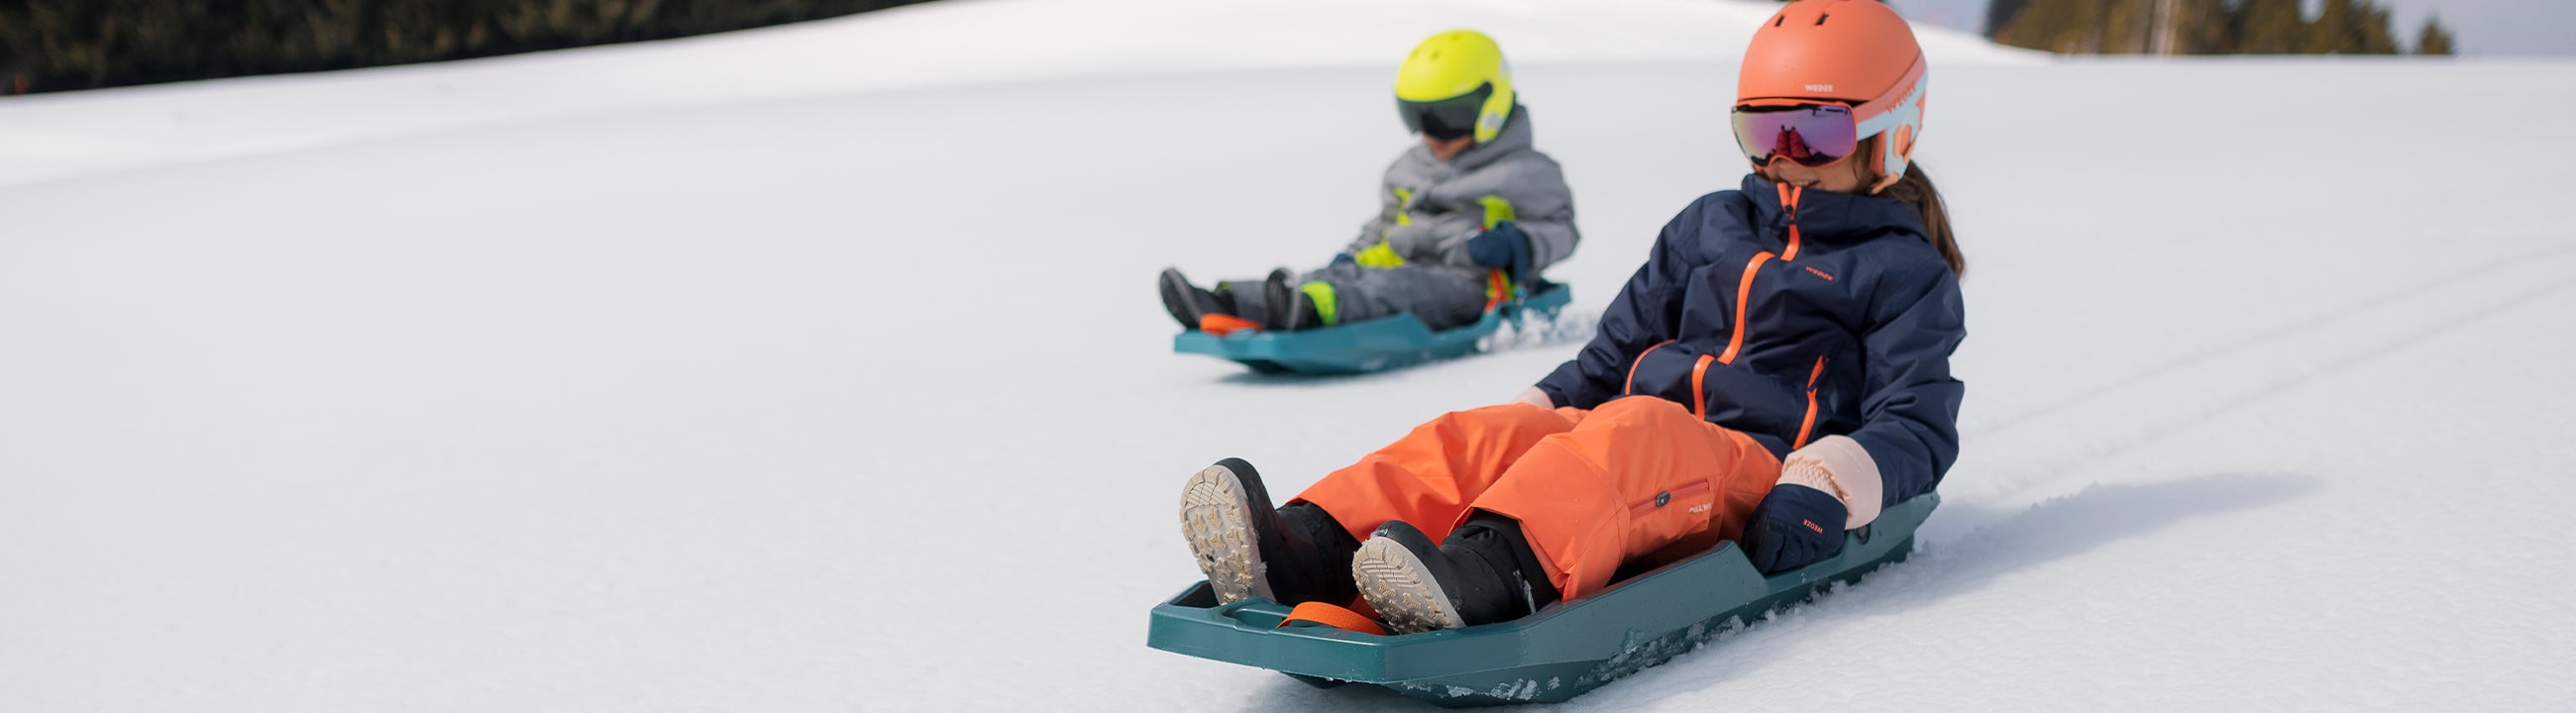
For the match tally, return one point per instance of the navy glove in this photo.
(1795, 526)
(1339, 258)
(1502, 247)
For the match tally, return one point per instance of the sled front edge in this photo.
(1556, 654)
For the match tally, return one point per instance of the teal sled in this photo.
(1376, 345)
(1553, 655)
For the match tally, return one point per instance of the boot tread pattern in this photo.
(1217, 521)
(1401, 589)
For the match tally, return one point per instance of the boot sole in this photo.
(1281, 300)
(1216, 519)
(1178, 301)
(1401, 589)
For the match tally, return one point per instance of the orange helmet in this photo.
(1853, 52)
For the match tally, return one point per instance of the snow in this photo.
(574, 388)
(933, 45)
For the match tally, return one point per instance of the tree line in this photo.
(2203, 27)
(52, 45)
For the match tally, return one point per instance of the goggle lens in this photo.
(1813, 135)
(1446, 119)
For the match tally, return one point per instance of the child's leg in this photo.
(1428, 476)
(1442, 297)
(1635, 476)
(1248, 298)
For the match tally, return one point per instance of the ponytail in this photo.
(1916, 188)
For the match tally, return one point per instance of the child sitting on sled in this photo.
(1472, 202)
(1776, 373)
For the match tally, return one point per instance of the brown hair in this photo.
(1916, 188)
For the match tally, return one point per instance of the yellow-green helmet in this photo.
(1453, 84)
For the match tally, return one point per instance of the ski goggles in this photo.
(1813, 135)
(1447, 119)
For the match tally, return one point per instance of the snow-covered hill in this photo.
(596, 391)
(941, 44)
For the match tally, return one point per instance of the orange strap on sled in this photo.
(1224, 324)
(1332, 616)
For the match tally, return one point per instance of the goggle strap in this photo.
(1901, 105)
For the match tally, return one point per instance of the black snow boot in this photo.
(1188, 302)
(1290, 308)
(1290, 555)
(1484, 573)
(1302, 313)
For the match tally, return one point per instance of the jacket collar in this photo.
(1515, 137)
(1826, 214)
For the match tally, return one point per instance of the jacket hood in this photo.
(1827, 214)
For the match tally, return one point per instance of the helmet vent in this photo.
(1784, 17)
(1820, 19)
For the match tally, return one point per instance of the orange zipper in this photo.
(1789, 196)
(1699, 397)
(1640, 508)
(1809, 426)
(1743, 292)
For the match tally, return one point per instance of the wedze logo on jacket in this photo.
(1791, 315)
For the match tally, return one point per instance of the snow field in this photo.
(941, 44)
(860, 400)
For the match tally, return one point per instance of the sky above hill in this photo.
(2478, 27)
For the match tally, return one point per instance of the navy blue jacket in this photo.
(1835, 316)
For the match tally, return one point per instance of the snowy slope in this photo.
(860, 399)
(939, 44)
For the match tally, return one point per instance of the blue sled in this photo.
(1556, 654)
(1362, 347)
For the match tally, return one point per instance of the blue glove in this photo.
(1795, 526)
(1342, 258)
(1502, 247)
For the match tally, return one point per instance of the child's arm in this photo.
(1531, 194)
(1374, 231)
(1546, 214)
(1910, 409)
(1908, 437)
(1375, 245)
(1646, 312)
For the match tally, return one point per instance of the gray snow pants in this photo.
(1442, 297)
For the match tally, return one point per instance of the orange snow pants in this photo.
(1639, 478)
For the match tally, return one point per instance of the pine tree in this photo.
(2433, 40)
(2063, 26)
(2372, 26)
(72, 44)
(2203, 28)
(2269, 27)
(2327, 34)
(1999, 14)
(2350, 27)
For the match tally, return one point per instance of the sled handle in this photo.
(1499, 289)
(1332, 616)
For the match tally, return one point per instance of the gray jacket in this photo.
(1430, 207)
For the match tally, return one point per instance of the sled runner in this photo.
(1376, 345)
(1558, 653)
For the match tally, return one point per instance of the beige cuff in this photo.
(1839, 466)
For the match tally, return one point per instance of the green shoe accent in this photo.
(1320, 294)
